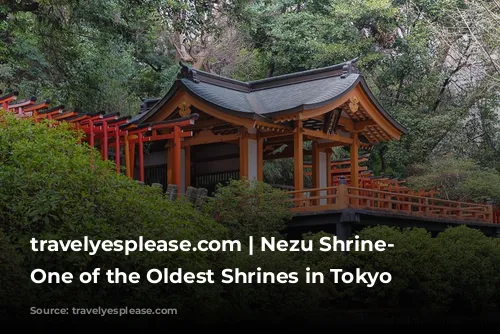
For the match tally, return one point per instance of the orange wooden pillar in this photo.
(91, 133)
(243, 141)
(328, 168)
(105, 140)
(141, 157)
(132, 160)
(170, 163)
(127, 156)
(315, 170)
(298, 157)
(117, 149)
(177, 157)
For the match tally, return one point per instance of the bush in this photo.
(251, 209)
(13, 280)
(467, 271)
(51, 187)
(456, 272)
(457, 179)
(410, 263)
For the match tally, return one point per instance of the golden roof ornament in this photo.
(353, 104)
(184, 110)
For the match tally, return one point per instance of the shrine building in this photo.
(239, 125)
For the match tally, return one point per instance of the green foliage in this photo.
(94, 56)
(250, 208)
(13, 280)
(468, 270)
(275, 301)
(410, 263)
(279, 171)
(456, 271)
(430, 87)
(431, 64)
(63, 190)
(457, 179)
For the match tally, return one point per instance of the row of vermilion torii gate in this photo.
(105, 131)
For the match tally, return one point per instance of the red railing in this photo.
(315, 199)
(496, 216)
(343, 196)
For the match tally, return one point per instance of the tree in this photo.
(457, 179)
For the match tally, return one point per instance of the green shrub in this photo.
(251, 208)
(51, 187)
(13, 280)
(467, 272)
(457, 179)
(409, 262)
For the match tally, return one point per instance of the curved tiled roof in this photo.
(262, 99)
(303, 95)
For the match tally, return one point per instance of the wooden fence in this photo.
(343, 196)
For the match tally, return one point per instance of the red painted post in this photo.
(177, 157)
(105, 139)
(91, 133)
(141, 157)
(117, 149)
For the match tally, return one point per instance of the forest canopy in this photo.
(432, 64)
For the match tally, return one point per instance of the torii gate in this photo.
(109, 130)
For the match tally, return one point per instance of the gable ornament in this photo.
(184, 110)
(354, 104)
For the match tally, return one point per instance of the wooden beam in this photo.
(270, 126)
(208, 137)
(346, 123)
(206, 124)
(191, 100)
(276, 134)
(163, 137)
(298, 157)
(360, 126)
(376, 116)
(326, 108)
(321, 135)
(169, 108)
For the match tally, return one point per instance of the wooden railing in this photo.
(343, 197)
(496, 216)
(316, 199)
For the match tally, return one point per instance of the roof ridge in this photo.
(342, 70)
(346, 66)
